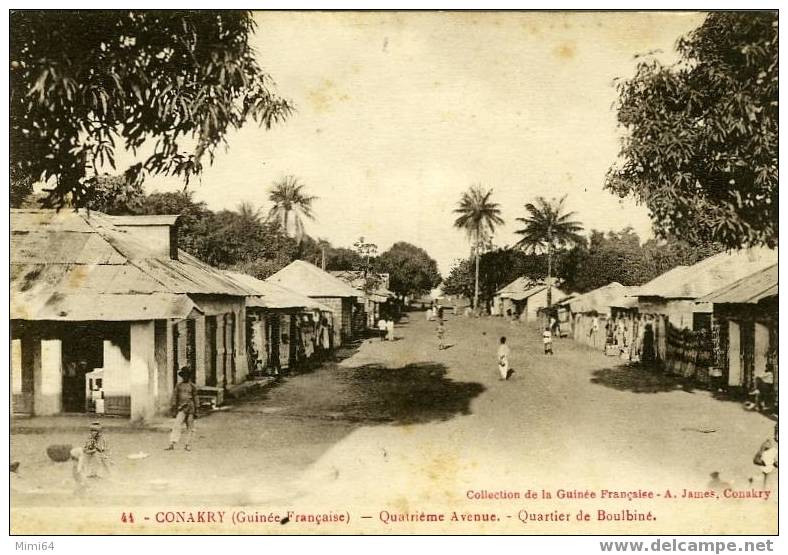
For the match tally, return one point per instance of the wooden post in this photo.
(735, 377)
(199, 350)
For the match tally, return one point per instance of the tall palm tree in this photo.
(290, 205)
(323, 245)
(478, 216)
(547, 228)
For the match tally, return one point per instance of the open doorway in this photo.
(82, 353)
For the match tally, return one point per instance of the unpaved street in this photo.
(399, 428)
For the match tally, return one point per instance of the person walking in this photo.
(648, 355)
(184, 407)
(390, 329)
(594, 331)
(503, 359)
(383, 327)
(547, 339)
(441, 332)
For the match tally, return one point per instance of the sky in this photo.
(398, 113)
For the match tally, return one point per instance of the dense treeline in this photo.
(250, 241)
(596, 261)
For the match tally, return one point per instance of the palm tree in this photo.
(478, 216)
(248, 213)
(322, 245)
(290, 205)
(548, 228)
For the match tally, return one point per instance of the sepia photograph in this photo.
(394, 272)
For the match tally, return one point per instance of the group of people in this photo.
(761, 395)
(386, 329)
(435, 312)
(504, 352)
(94, 455)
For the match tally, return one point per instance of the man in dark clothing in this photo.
(184, 408)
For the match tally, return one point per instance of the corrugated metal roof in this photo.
(522, 295)
(708, 275)
(556, 293)
(271, 295)
(82, 278)
(51, 220)
(69, 256)
(601, 299)
(523, 287)
(517, 286)
(356, 280)
(189, 275)
(309, 280)
(153, 220)
(62, 247)
(750, 289)
(660, 282)
(103, 307)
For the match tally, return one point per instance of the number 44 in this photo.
(127, 518)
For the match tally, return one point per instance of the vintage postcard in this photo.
(393, 272)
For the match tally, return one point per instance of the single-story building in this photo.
(595, 315)
(682, 326)
(283, 327)
(309, 280)
(502, 304)
(745, 322)
(105, 310)
(377, 300)
(524, 299)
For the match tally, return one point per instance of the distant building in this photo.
(524, 298)
(597, 307)
(307, 279)
(375, 299)
(283, 327)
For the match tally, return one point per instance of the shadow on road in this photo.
(370, 394)
(412, 394)
(638, 379)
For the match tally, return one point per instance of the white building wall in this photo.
(49, 385)
(143, 371)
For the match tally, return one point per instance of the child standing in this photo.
(184, 408)
(766, 458)
(547, 339)
(94, 452)
(503, 359)
(441, 331)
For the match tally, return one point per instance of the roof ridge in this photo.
(128, 259)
